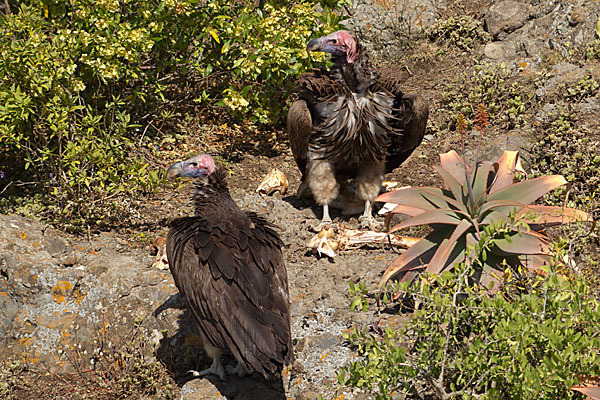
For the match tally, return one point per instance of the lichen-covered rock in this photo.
(200, 389)
(59, 297)
(64, 299)
(383, 25)
(529, 30)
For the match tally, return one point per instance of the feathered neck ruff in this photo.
(359, 75)
(210, 191)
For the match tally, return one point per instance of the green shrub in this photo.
(528, 343)
(562, 146)
(85, 85)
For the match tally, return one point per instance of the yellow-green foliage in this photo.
(463, 31)
(562, 146)
(529, 340)
(263, 51)
(83, 83)
(505, 99)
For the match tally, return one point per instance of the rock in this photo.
(591, 105)
(504, 17)
(530, 30)
(561, 73)
(200, 389)
(547, 111)
(58, 295)
(309, 395)
(63, 299)
(494, 51)
(382, 26)
(298, 367)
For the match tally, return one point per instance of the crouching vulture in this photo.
(228, 265)
(351, 122)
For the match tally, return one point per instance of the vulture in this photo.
(228, 265)
(351, 122)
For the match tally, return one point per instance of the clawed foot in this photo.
(326, 220)
(215, 369)
(239, 370)
(323, 224)
(367, 222)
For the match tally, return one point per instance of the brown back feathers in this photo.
(229, 266)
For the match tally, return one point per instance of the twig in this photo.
(143, 134)
(10, 183)
(17, 183)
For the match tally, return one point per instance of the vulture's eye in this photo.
(334, 41)
(194, 164)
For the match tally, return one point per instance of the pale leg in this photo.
(324, 186)
(216, 367)
(368, 184)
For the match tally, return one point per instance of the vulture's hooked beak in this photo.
(175, 170)
(314, 45)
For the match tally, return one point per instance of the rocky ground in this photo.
(68, 304)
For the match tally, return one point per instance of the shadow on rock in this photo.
(181, 351)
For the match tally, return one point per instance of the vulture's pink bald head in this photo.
(339, 43)
(195, 167)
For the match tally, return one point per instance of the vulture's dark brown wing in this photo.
(412, 114)
(232, 275)
(299, 128)
(415, 115)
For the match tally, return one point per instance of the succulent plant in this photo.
(480, 206)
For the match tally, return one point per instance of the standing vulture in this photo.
(228, 265)
(351, 122)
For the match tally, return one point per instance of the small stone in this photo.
(69, 260)
(298, 367)
(307, 212)
(494, 51)
(505, 17)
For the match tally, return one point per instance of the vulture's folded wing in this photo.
(416, 113)
(299, 128)
(235, 284)
(391, 78)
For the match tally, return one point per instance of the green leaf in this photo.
(480, 181)
(593, 392)
(425, 198)
(550, 215)
(501, 206)
(453, 164)
(226, 47)
(416, 256)
(214, 34)
(455, 186)
(522, 243)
